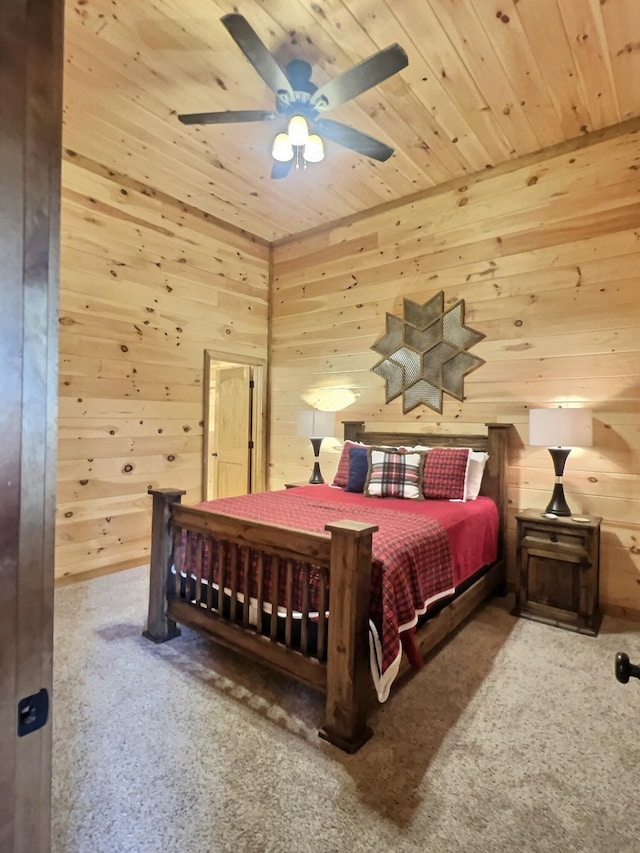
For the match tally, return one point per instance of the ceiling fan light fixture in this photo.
(314, 149)
(298, 97)
(282, 150)
(298, 130)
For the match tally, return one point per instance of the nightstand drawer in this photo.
(553, 533)
(555, 547)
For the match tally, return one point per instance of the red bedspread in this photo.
(421, 551)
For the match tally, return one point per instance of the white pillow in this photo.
(477, 461)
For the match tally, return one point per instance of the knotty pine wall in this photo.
(147, 284)
(546, 258)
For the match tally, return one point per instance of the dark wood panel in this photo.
(11, 320)
(30, 117)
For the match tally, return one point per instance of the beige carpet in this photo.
(514, 737)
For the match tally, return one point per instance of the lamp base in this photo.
(316, 476)
(558, 504)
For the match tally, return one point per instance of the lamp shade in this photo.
(298, 130)
(561, 427)
(314, 149)
(282, 150)
(316, 424)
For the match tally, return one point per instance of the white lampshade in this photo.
(561, 427)
(298, 130)
(316, 424)
(282, 150)
(314, 149)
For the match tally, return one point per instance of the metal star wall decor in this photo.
(424, 353)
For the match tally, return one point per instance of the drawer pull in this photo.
(553, 537)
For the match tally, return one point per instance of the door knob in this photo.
(624, 669)
(214, 454)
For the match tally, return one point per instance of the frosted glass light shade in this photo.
(316, 424)
(561, 427)
(314, 149)
(298, 130)
(282, 150)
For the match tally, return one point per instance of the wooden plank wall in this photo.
(147, 284)
(546, 258)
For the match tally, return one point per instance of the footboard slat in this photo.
(304, 627)
(199, 575)
(177, 552)
(233, 562)
(275, 579)
(219, 563)
(216, 558)
(289, 605)
(209, 572)
(322, 616)
(245, 587)
(260, 596)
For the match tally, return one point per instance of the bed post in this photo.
(351, 429)
(348, 677)
(159, 627)
(494, 483)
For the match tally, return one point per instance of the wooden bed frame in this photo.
(338, 662)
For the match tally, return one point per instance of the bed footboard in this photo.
(266, 591)
(278, 613)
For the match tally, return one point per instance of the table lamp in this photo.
(316, 425)
(560, 430)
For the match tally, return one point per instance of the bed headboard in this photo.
(495, 443)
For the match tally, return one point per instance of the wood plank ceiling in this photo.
(487, 82)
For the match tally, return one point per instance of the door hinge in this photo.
(252, 384)
(33, 712)
(250, 445)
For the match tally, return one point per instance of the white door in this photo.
(230, 442)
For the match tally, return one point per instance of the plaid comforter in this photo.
(412, 563)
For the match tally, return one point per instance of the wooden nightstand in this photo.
(558, 562)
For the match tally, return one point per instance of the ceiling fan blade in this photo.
(227, 117)
(361, 77)
(262, 60)
(353, 139)
(281, 170)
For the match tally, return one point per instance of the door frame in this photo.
(258, 419)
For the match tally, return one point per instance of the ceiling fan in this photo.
(298, 99)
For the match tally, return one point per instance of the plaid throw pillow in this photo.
(394, 474)
(445, 473)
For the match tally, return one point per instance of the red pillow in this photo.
(342, 472)
(445, 473)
